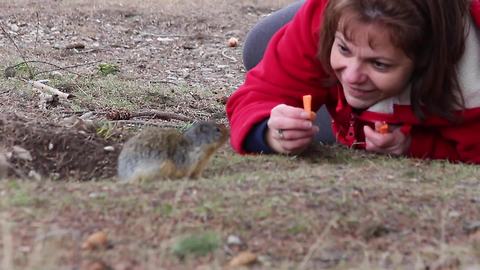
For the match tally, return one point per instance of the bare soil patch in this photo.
(56, 151)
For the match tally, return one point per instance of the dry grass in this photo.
(337, 213)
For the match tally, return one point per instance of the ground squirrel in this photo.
(157, 153)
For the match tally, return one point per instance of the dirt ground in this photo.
(331, 209)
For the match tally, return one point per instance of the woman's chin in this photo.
(358, 103)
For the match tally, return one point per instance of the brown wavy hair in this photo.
(430, 32)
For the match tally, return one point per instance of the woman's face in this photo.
(369, 67)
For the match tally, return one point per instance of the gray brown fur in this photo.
(157, 153)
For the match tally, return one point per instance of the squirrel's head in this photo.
(207, 133)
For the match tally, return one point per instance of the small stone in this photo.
(86, 115)
(21, 153)
(109, 148)
(56, 74)
(14, 27)
(472, 227)
(34, 175)
(234, 240)
(165, 39)
(454, 214)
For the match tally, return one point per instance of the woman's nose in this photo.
(354, 74)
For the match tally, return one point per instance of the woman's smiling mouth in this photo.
(359, 93)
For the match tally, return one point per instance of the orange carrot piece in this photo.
(307, 103)
(307, 106)
(383, 128)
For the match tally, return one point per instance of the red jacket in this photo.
(290, 69)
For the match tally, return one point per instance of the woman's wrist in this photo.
(272, 142)
(255, 142)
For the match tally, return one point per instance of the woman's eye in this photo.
(380, 66)
(343, 48)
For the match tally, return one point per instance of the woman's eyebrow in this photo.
(340, 36)
(381, 57)
(388, 61)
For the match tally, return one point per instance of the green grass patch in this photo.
(106, 69)
(199, 244)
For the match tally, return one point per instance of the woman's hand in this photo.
(394, 142)
(290, 129)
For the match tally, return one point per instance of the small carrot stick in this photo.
(383, 128)
(307, 105)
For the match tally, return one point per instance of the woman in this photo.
(414, 64)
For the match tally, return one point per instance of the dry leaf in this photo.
(243, 259)
(85, 125)
(95, 241)
(78, 123)
(95, 265)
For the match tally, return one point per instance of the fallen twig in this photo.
(161, 115)
(89, 51)
(231, 58)
(75, 46)
(163, 35)
(147, 123)
(320, 240)
(163, 81)
(45, 88)
(152, 114)
(57, 67)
